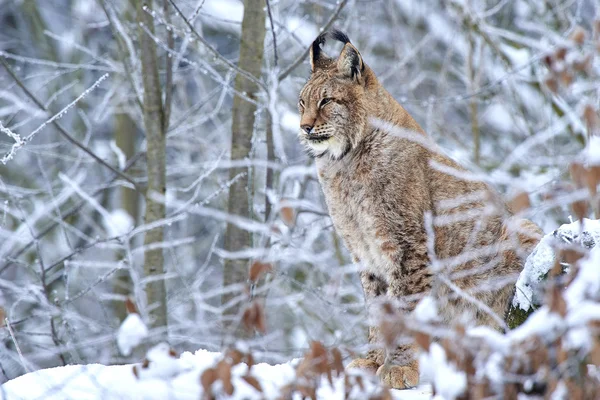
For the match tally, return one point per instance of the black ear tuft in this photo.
(339, 36)
(316, 45)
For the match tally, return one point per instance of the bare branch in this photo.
(325, 27)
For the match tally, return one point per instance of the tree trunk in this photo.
(155, 160)
(251, 54)
(125, 132)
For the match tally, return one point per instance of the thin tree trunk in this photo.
(251, 55)
(125, 131)
(155, 160)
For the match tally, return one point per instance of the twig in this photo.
(272, 31)
(215, 52)
(45, 286)
(14, 339)
(62, 131)
(13, 259)
(325, 27)
(117, 34)
(478, 303)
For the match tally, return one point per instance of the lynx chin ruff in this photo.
(379, 186)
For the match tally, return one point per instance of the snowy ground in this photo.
(175, 379)
(167, 376)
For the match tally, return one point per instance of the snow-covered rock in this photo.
(541, 260)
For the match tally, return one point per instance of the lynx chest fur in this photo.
(364, 199)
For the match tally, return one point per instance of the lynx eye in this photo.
(324, 102)
(301, 104)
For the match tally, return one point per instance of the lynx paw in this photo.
(364, 364)
(399, 377)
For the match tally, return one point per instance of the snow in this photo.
(499, 117)
(592, 151)
(426, 311)
(541, 260)
(169, 377)
(118, 222)
(131, 333)
(586, 284)
(448, 382)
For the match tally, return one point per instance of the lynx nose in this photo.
(307, 128)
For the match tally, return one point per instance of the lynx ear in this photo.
(350, 62)
(316, 56)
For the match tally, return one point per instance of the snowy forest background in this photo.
(98, 96)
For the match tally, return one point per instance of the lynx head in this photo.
(333, 115)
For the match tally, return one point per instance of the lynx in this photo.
(379, 186)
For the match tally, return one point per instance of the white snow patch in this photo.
(179, 378)
(592, 151)
(498, 116)
(448, 382)
(131, 333)
(426, 311)
(587, 282)
(118, 222)
(290, 121)
(303, 29)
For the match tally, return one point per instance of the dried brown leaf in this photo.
(2, 317)
(287, 215)
(423, 340)
(223, 370)
(593, 179)
(595, 353)
(308, 391)
(519, 202)
(572, 255)
(254, 318)
(566, 77)
(258, 269)
(235, 356)
(261, 319)
(578, 35)
(551, 84)
(130, 306)
(389, 331)
(145, 363)
(135, 372)
(590, 116)
(561, 53)
(583, 65)
(359, 381)
(252, 381)
(249, 317)
(249, 360)
(556, 268)
(578, 174)
(318, 354)
(580, 208)
(337, 364)
(208, 377)
(557, 302)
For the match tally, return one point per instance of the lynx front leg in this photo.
(401, 368)
(373, 287)
(409, 276)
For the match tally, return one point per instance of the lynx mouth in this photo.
(318, 139)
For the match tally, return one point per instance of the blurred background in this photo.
(149, 153)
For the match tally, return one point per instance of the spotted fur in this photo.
(379, 186)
